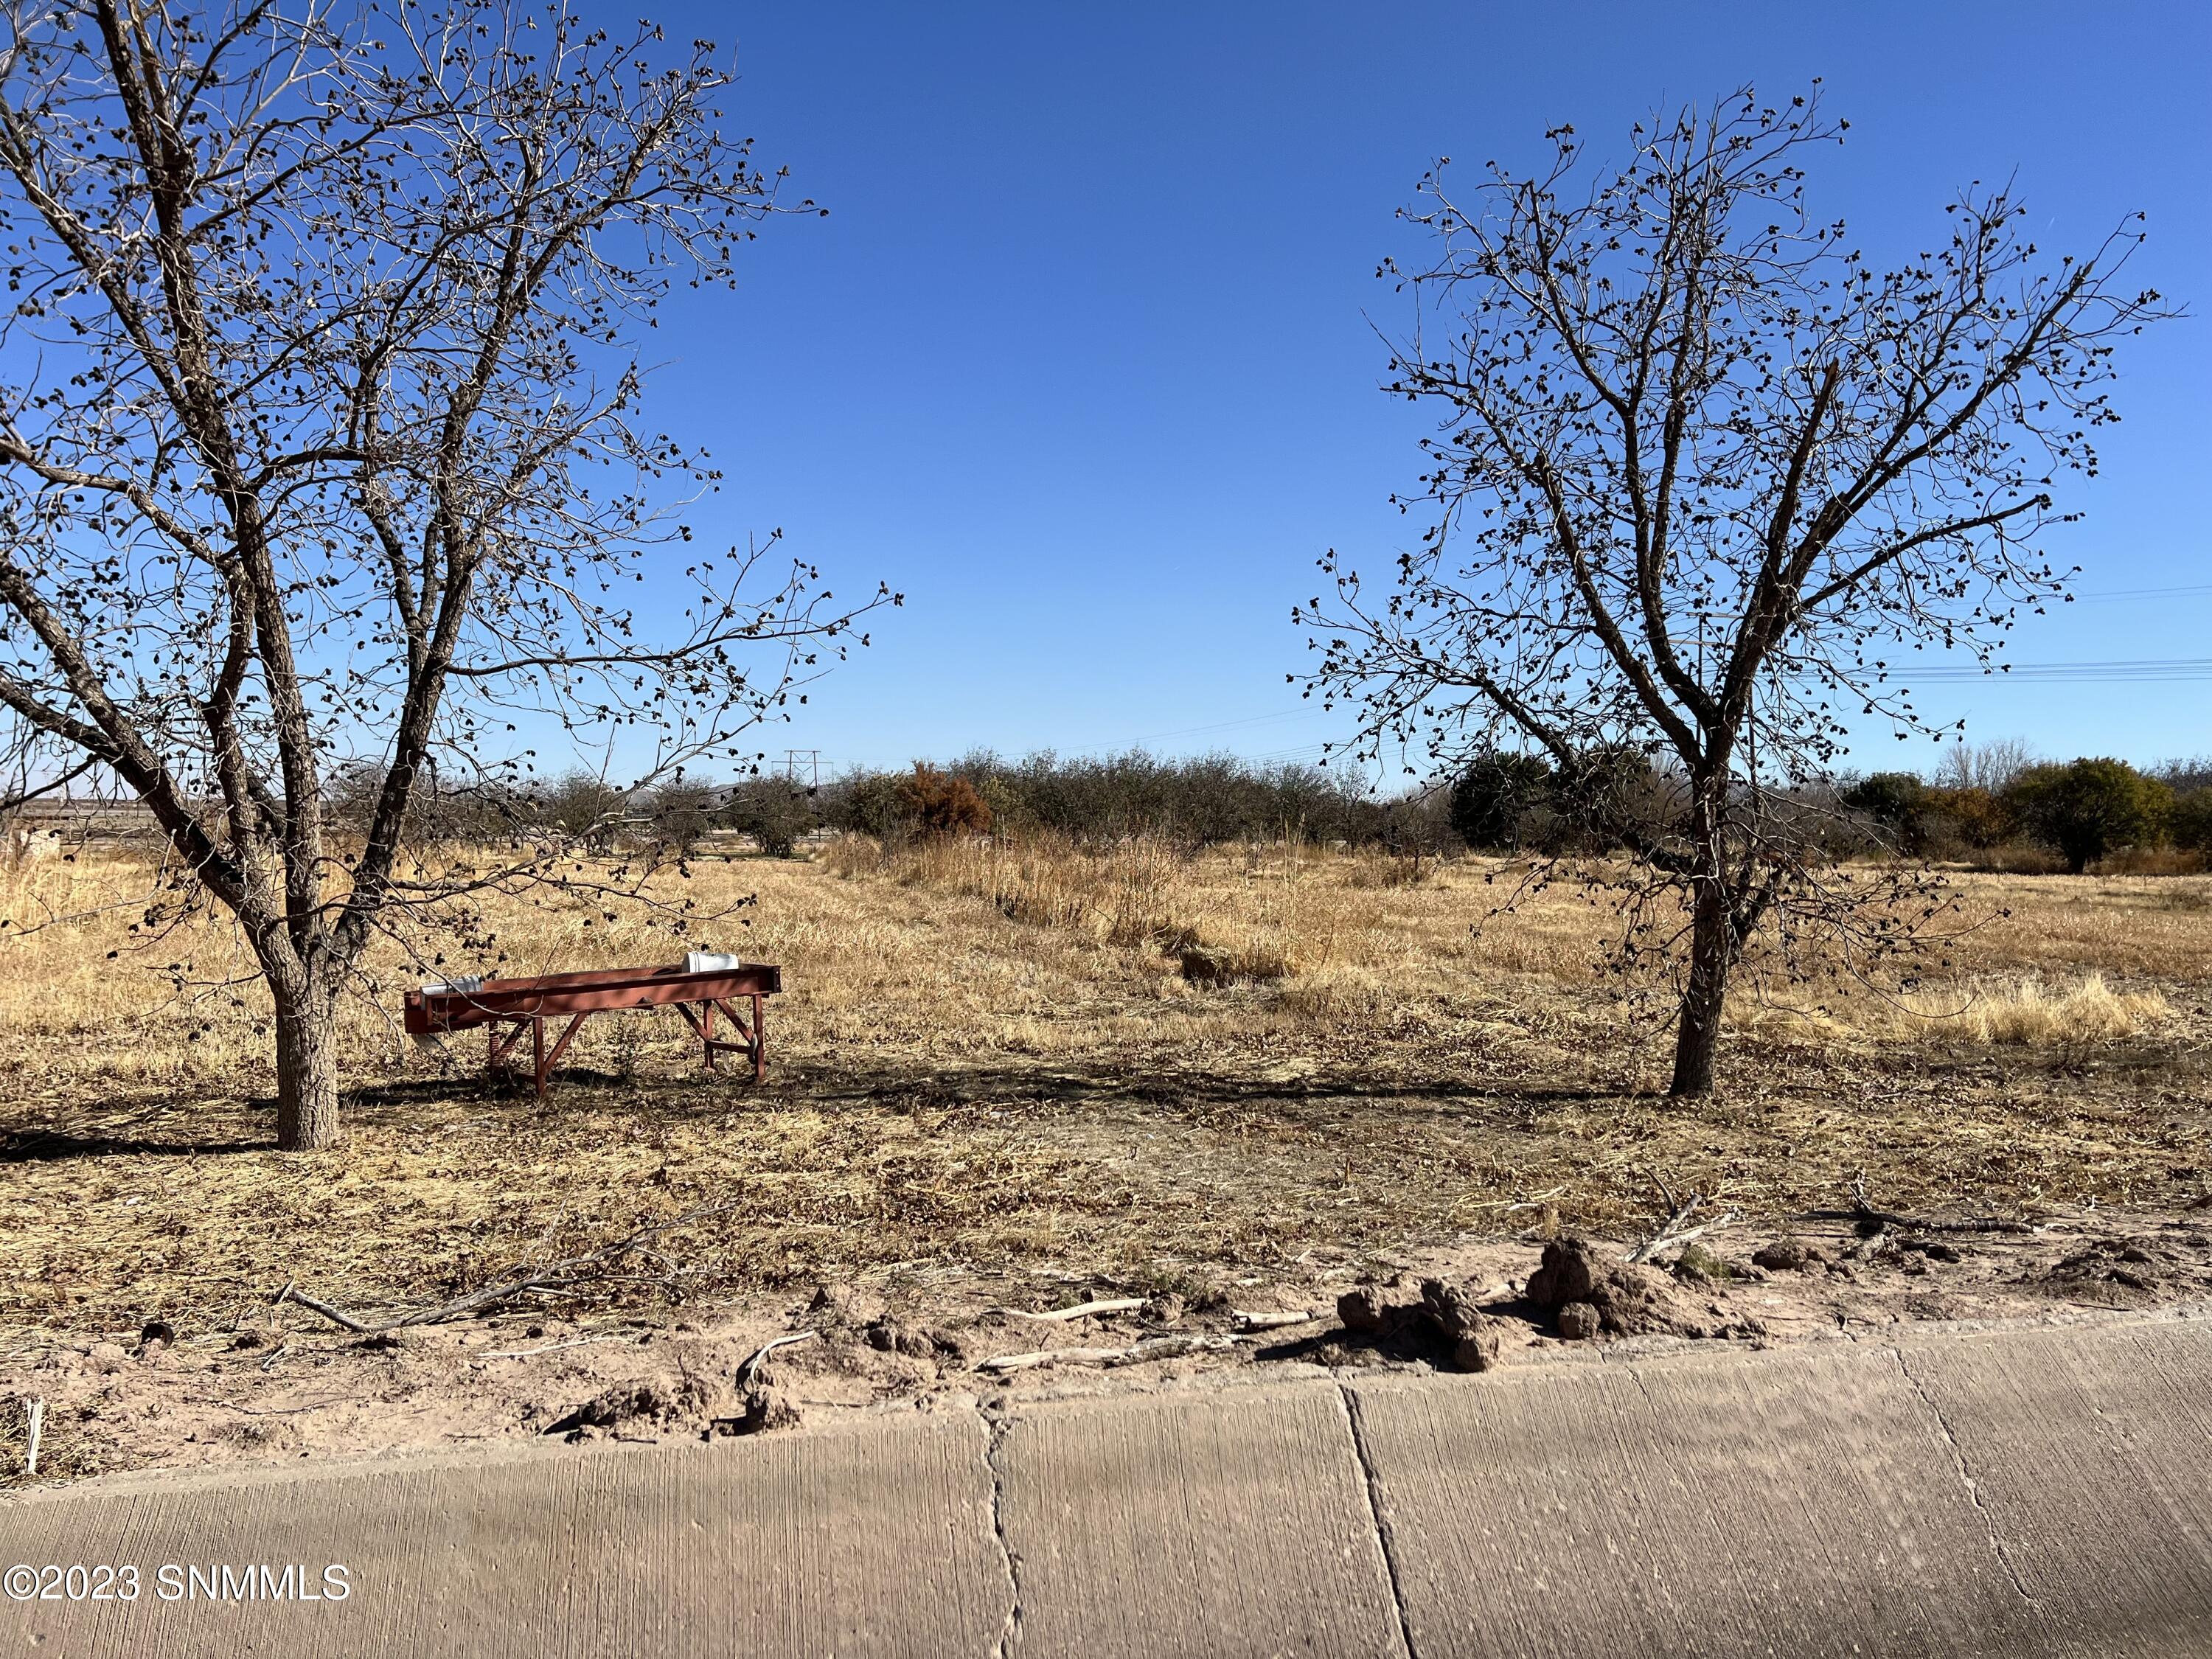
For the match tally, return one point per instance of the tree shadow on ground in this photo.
(586, 1093)
(36, 1146)
(1106, 1085)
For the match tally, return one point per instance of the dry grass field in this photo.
(1171, 1071)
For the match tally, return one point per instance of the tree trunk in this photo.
(306, 1068)
(1698, 1031)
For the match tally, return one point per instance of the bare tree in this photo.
(1702, 470)
(1993, 765)
(320, 436)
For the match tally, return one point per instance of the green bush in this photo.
(774, 812)
(2189, 824)
(869, 804)
(1492, 800)
(2087, 808)
(1897, 803)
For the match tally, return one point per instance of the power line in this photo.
(2192, 590)
(2139, 670)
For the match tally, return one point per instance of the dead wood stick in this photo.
(1865, 1213)
(335, 1315)
(1668, 1228)
(752, 1362)
(32, 1431)
(1669, 1241)
(1157, 1347)
(1081, 1310)
(1275, 1321)
(551, 1347)
(595, 1264)
(1023, 1362)
(1170, 1348)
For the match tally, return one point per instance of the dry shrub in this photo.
(1122, 896)
(2152, 862)
(1763, 1021)
(2030, 1014)
(852, 855)
(942, 803)
(1245, 960)
(1338, 996)
(1144, 894)
(2021, 858)
(1375, 870)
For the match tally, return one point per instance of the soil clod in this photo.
(1578, 1322)
(1629, 1300)
(1789, 1255)
(1473, 1336)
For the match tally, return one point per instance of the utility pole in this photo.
(812, 762)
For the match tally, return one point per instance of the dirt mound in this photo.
(890, 1335)
(1474, 1336)
(1789, 1255)
(1447, 1317)
(1586, 1294)
(2119, 1273)
(647, 1404)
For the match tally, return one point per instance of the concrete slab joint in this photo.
(995, 1423)
(1375, 1518)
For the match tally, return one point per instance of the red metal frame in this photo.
(523, 1005)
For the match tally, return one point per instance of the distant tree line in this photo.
(1993, 805)
(1197, 802)
(2078, 812)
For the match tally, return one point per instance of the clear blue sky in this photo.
(1082, 359)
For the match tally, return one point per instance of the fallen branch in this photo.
(1276, 1321)
(1080, 1311)
(335, 1315)
(551, 1347)
(1511, 1204)
(753, 1362)
(1867, 1216)
(1023, 1362)
(1137, 1353)
(558, 1276)
(1670, 1240)
(1678, 1212)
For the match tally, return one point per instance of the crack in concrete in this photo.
(995, 1424)
(1966, 1474)
(1350, 1403)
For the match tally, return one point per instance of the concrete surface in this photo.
(2033, 1492)
(1196, 1525)
(838, 1543)
(2092, 1461)
(1803, 1503)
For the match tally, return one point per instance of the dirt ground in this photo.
(288, 1385)
(1241, 1082)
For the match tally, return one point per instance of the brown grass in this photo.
(1134, 1061)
